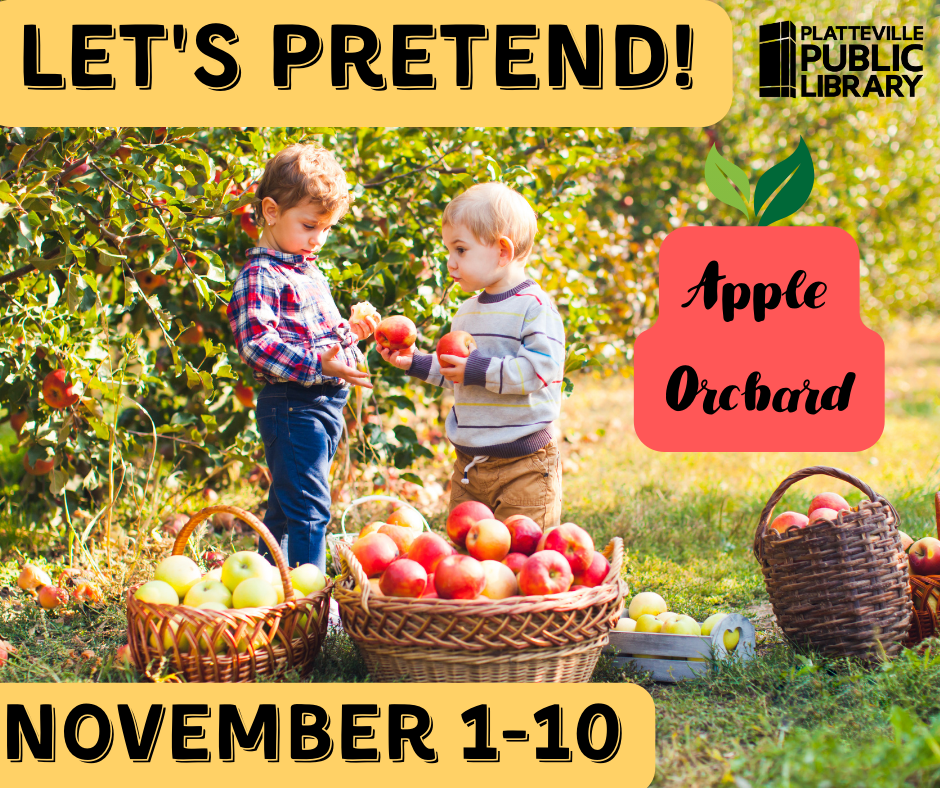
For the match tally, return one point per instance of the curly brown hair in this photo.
(305, 171)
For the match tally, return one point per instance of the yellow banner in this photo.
(453, 734)
(424, 64)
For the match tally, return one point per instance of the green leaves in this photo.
(795, 191)
(717, 172)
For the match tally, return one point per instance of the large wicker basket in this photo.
(252, 641)
(839, 587)
(925, 596)
(556, 637)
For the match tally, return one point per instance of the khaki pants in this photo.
(529, 485)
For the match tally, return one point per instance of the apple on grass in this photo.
(524, 532)
(500, 581)
(396, 333)
(157, 592)
(924, 556)
(31, 577)
(455, 343)
(786, 520)
(488, 540)
(404, 578)
(180, 571)
(374, 553)
(647, 602)
(429, 549)
(242, 565)
(463, 517)
(574, 543)
(827, 500)
(459, 577)
(547, 572)
(51, 597)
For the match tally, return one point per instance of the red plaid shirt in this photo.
(283, 316)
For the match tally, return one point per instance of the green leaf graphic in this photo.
(717, 172)
(794, 193)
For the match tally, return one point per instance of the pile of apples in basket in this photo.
(487, 560)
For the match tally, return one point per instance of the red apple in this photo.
(248, 225)
(41, 468)
(428, 549)
(488, 540)
(459, 577)
(5, 651)
(123, 655)
(56, 392)
(149, 281)
(429, 590)
(407, 517)
(123, 153)
(212, 558)
(395, 333)
(594, 575)
(525, 533)
(248, 207)
(78, 171)
(374, 552)
(402, 536)
(515, 561)
(547, 572)
(85, 591)
(51, 597)
(462, 518)
(924, 556)
(192, 335)
(827, 500)
(456, 343)
(245, 394)
(404, 577)
(906, 541)
(541, 545)
(574, 543)
(822, 513)
(785, 520)
(17, 420)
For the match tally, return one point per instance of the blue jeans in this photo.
(301, 428)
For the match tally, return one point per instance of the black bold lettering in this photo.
(673, 400)
(464, 36)
(182, 732)
(756, 396)
(352, 733)
(762, 302)
(625, 38)
(342, 58)
(82, 56)
(709, 281)
(730, 302)
(286, 59)
(143, 36)
(20, 726)
(231, 70)
(264, 727)
(100, 749)
(397, 733)
(301, 731)
(33, 78)
(403, 56)
(140, 745)
(506, 56)
(563, 50)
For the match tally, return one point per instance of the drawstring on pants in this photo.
(466, 470)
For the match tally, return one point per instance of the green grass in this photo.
(787, 719)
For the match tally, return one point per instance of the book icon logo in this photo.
(778, 60)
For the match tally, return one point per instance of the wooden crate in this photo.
(671, 658)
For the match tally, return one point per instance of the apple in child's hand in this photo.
(242, 565)
(402, 536)
(395, 333)
(56, 393)
(462, 519)
(488, 540)
(404, 578)
(375, 552)
(180, 571)
(827, 500)
(406, 517)
(525, 534)
(574, 543)
(924, 556)
(456, 343)
(429, 549)
(786, 520)
(547, 572)
(823, 513)
(515, 561)
(500, 581)
(594, 575)
(459, 577)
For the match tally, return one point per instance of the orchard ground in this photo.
(787, 719)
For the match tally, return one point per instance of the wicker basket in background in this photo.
(840, 587)
(272, 639)
(925, 596)
(556, 637)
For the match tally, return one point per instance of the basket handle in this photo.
(936, 508)
(614, 553)
(179, 546)
(389, 498)
(793, 478)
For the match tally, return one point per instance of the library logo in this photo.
(840, 60)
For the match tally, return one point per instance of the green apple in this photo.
(625, 625)
(648, 623)
(172, 628)
(208, 591)
(307, 579)
(730, 638)
(668, 616)
(254, 592)
(179, 571)
(243, 565)
(274, 578)
(646, 602)
(157, 592)
(213, 574)
(218, 607)
(220, 645)
(682, 625)
(300, 626)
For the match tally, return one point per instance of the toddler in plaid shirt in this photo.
(289, 331)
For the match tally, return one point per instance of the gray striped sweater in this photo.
(511, 392)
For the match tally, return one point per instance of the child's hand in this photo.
(337, 369)
(453, 367)
(398, 358)
(364, 319)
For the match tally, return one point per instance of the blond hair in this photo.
(493, 210)
(305, 171)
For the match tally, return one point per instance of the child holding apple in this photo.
(507, 392)
(289, 331)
